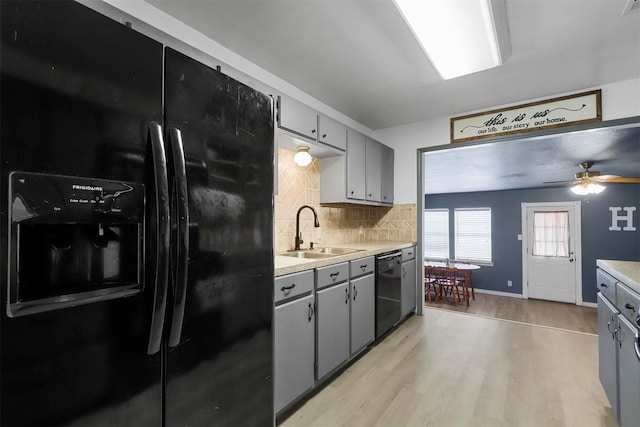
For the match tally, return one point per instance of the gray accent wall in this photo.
(598, 242)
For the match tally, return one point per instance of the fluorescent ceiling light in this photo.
(458, 36)
(588, 187)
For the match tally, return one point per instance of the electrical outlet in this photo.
(509, 283)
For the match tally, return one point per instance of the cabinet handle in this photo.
(324, 135)
(629, 307)
(355, 293)
(609, 327)
(346, 292)
(313, 131)
(310, 312)
(363, 267)
(603, 285)
(615, 332)
(287, 289)
(334, 275)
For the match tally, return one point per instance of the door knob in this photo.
(570, 259)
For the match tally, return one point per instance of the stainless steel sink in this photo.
(319, 253)
(305, 254)
(336, 251)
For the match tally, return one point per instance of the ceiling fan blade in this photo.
(623, 180)
(569, 182)
(604, 178)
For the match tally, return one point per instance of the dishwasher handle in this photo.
(389, 256)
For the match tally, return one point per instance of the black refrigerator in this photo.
(136, 228)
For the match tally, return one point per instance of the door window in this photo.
(551, 234)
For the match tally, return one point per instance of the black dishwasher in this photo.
(388, 291)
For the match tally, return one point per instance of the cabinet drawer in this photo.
(606, 284)
(292, 285)
(331, 275)
(627, 302)
(408, 254)
(361, 267)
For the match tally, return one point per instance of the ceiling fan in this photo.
(589, 181)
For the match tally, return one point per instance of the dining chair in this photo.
(447, 283)
(462, 278)
(430, 282)
(467, 272)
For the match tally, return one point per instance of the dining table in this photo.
(465, 268)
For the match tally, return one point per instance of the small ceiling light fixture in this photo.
(302, 157)
(459, 36)
(588, 187)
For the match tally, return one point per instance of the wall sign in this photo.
(618, 217)
(555, 112)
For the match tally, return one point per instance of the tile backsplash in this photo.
(300, 186)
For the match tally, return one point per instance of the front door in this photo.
(552, 246)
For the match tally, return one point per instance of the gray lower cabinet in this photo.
(294, 353)
(608, 350)
(332, 345)
(363, 312)
(629, 365)
(618, 341)
(408, 282)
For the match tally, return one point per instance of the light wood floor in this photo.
(537, 312)
(453, 369)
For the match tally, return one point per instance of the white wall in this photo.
(155, 23)
(619, 100)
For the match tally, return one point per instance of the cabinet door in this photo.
(363, 312)
(332, 132)
(607, 348)
(629, 378)
(373, 171)
(332, 328)
(297, 117)
(387, 175)
(294, 356)
(408, 285)
(355, 165)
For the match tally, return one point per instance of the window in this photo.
(436, 233)
(473, 234)
(551, 234)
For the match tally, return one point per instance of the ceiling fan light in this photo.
(585, 188)
(302, 157)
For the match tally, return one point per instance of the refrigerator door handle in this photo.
(163, 235)
(181, 243)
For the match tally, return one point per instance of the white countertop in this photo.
(627, 272)
(287, 265)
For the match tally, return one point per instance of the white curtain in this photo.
(551, 234)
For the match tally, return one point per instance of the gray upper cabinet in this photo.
(332, 132)
(356, 166)
(373, 170)
(298, 118)
(363, 176)
(387, 175)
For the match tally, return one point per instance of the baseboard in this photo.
(498, 293)
(508, 294)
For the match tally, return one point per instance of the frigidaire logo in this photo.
(86, 187)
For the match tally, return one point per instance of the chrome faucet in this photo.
(316, 224)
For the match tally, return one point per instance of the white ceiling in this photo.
(358, 56)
